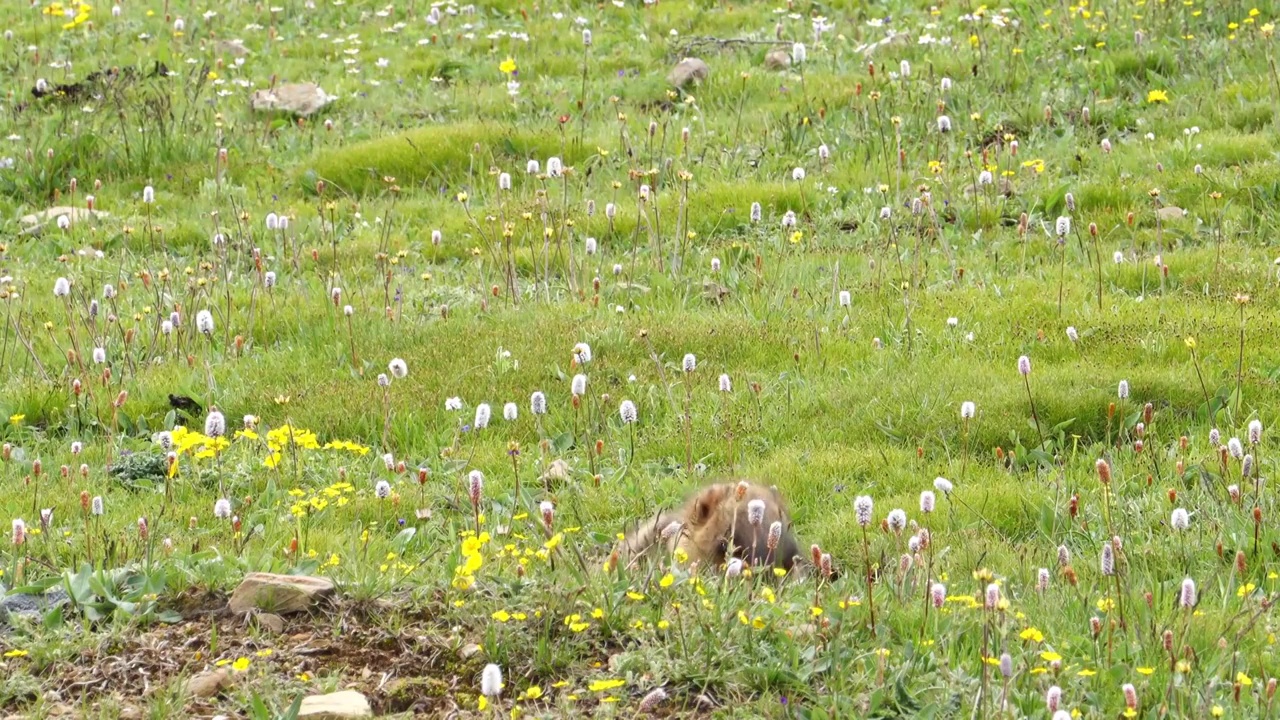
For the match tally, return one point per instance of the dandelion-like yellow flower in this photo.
(605, 685)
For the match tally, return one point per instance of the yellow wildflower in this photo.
(604, 685)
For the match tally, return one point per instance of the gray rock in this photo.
(557, 472)
(271, 622)
(279, 594)
(208, 684)
(688, 70)
(28, 606)
(777, 60)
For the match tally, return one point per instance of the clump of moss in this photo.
(434, 156)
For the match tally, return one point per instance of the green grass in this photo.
(828, 402)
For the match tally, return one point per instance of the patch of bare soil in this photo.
(414, 668)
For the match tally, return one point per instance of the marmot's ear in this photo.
(706, 504)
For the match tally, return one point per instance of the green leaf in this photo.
(563, 442)
(77, 585)
(169, 616)
(36, 588)
(402, 539)
(294, 709)
(53, 618)
(259, 707)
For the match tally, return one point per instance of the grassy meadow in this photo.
(1011, 270)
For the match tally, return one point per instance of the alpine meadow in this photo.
(639, 358)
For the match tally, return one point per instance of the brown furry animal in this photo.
(713, 521)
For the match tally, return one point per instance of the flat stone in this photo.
(271, 622)
(21, 605)
(1171, 212)
(336, 706)
(469, 651)
(208, 684)
(298, 98)
(688, 70)
(279, 594)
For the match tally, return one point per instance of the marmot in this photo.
(715, 520)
